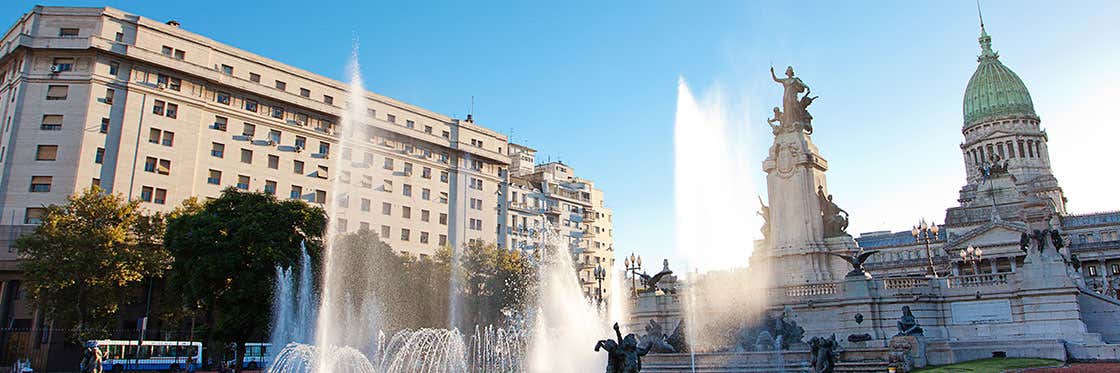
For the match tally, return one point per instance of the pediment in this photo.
(995, 134)
(990, 234)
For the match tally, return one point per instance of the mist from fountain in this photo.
(346, 336)
(713, 160)
(566, 324)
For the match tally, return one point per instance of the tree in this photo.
(225, 255)
(495, 282)
(87, 257)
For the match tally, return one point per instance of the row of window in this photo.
(386, 231)
(996, 151)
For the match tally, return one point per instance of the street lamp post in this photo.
(633, 264)
(925, 233)
(972, 256)
(600, 275)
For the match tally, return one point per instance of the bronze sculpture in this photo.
(823, 353)
(908, 324)
(651, 281)
(624, 355)
(857, 260)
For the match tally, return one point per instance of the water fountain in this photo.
(344, 332)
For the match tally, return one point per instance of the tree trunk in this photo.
(240, 360)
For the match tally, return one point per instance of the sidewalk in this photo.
(1078, 368)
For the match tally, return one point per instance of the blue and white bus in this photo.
(256, 356)
(119, 356)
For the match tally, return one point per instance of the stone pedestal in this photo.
(907, 352)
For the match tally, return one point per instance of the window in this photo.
(388, 164)
(51, 123)
(273, 161)
(405, 233)
(1116, 269)
(297, 167)
(443, 240)
(476, 204)
(157, 107)
(34, 215)
(301, 142)
(63, 64)
(67, 32)
(277, 112)
(179, 55)
(475, 224)
(408, 168)
(322, 173)
(165, 138)
(166, 50)
(363, 226)
(172, 111)
(428, 130)
(214, 178)
(41, 184)
(251, 105)
(222, 98)
(425, 215)
(423, 237)
(386, 208)
(406, 212)
(95, 182)
(217, 150)
(175, 84)
(227, 69)
(104, 126)
(281, 85)
(410, 123)
(270, 187)
(248, 130)
(341, 226)
(57, 92)
(367, 181)
(297, 192)
(443, 176)
(46, 152)
(146, 193)
(443, 197)
(153, 135)
(150, 164)
(385, 231)
(302, 91)
(406, 190)
(254, 77)
(242, 182)
(109, 94)
(246, 156)
(114, 68)
(220, 123)
(320, 196)
(446, 135)
(426, 194)
(476, 165)
(426, 173)
(324, 148)
(328, 100)
(99, 156)
(119, 37)
(160, 197)
(164, 167)
(476, 183)
(365, 204)
(1092, 270)
(443, 218)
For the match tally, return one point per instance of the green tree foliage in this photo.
(495, 283)
(225, 254)
(88, 257)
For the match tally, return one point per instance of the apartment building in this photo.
(572, 206)
(98, 96)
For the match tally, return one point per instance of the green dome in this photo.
(994, 91)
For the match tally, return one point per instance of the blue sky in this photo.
(594, 83)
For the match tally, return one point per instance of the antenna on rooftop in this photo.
(470, 112)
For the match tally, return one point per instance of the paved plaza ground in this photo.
(1078, 368)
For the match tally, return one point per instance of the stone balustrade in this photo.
(810, 290)
(980, 280)
(905, 283)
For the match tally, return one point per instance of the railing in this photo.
(971, 281)
(810, 290)
(905, 283)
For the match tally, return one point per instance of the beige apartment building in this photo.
(143, 108)
(572, 207)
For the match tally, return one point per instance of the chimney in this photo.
(470, 118)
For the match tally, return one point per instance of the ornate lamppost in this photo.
(925, 233)
(600, 275)
(972, 256)
(633, 264)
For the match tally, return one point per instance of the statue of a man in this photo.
(791, 104)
